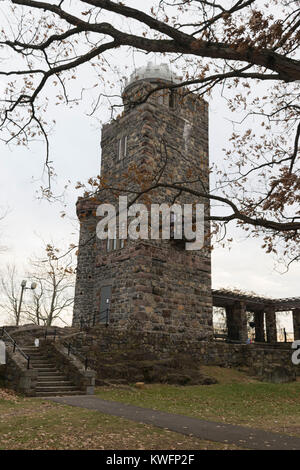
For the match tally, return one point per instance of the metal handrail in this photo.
(96, 316)
(46, 333)
(104, 317)
(76, 353)
(16, 346)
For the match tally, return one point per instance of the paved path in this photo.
(247, 438)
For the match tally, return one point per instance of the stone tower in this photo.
(149, 285)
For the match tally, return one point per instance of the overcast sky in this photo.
(75, 150)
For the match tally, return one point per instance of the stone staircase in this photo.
(51, 382)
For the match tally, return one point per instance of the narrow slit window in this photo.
(161, 99)
(122, 147)
(122, 229)
(172, 99)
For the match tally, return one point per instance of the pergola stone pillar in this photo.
(271, 324)
(236, 317)
(296, 323)
(231, 327)
(259, 326)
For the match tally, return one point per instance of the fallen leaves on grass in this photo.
(8, 395)
(41, 425)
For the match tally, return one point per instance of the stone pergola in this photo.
(237, 305)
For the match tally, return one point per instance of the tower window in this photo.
(172, 99)
(122, 147)
(111, 244)
(114, 244)
(163, 98)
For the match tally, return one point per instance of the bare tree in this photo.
(10, 294)
(3, 214)
(54, 294)
(52, 297)
(246, 48)
(33, 310)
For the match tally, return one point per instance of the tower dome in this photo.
(152, 72)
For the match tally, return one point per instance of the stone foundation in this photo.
(15, 374)
(266, 362)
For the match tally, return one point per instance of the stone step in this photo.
(54, 383)
(56, 388)
(42, 361)
(52, 372)
(51, 377)
(35, 357)
(38, 356)
(51, 381)
(42, 364)
(33, 354)
(31, 349)
(59, 394)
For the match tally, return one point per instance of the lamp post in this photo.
(23, 287)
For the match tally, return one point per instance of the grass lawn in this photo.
(30, 423)
(236, 399)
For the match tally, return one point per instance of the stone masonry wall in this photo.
(156, 285)
(263, 362)
(157, 289)
(84, 288)
(15, 374)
